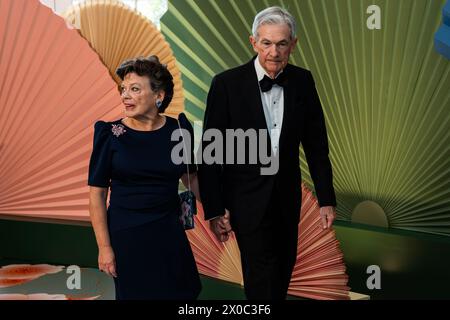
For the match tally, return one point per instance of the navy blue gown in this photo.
(154, 259)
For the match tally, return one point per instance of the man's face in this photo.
(273, 46)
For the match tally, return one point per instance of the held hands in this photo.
(107, 261)
(221, 226)
(327, 215)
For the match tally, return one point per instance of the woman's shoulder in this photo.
(108, 128)
(181, 121)
(184, 122)
(101, 124)
(171, 120)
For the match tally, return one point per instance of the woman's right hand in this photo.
(107, 261)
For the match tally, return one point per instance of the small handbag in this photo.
(188, 202)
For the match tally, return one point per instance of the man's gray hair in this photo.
(274, 15)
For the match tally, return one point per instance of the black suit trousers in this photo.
(268, 254)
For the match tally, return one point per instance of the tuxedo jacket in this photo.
(234, 102)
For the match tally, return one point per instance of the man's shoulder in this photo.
(298, 71)
(234, 73)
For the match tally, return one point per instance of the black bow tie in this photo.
(266, 83)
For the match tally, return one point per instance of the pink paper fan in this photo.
(53, 89)
(319, 272)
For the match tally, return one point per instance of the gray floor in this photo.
(93, 283)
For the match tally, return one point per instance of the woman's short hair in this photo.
(274, 15)
(159, 75)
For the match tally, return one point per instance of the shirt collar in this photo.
(260, 72)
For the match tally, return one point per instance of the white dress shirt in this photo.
(273, 105)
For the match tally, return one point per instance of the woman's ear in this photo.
(160, 96)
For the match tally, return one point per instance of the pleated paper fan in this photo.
(216, 259)
(116, 32)
(319, 272)
(52, 90)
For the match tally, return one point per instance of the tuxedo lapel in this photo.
(254, 94)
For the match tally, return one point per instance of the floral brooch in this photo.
(118, 129)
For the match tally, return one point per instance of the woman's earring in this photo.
(158, 103)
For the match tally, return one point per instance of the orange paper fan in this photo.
(116, 33)
(52, 90)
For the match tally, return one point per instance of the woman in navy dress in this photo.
(141, 240)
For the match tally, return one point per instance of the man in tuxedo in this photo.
(263, 210)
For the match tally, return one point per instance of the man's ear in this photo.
(294, 43)
(253, 43)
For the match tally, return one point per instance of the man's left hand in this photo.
(327, 215)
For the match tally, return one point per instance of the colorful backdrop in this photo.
(385, 94)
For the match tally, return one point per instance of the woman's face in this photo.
(137, 95)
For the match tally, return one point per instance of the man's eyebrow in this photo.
(267, 40)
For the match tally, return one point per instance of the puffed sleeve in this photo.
(100, 162)
(185, 124)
